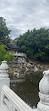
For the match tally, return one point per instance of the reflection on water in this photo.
(28, 90)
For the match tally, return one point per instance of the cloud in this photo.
(22, 15)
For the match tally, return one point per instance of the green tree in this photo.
(4, 31)
(35, 44)
(4, 55)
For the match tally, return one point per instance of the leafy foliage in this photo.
(4, 55)
(4, 31)
(35, 44)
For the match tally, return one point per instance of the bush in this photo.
(4, 55)
(35, 44)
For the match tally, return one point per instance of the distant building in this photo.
(13, 48)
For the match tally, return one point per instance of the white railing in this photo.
(12, 101)
(20, 54)
(9, 101)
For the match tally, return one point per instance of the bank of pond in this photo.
(29, 88)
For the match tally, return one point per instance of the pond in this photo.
(28, 89)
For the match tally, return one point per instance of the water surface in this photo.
(28, 89)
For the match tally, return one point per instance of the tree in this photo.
(4, 55)
(4, 31)
(35, 44)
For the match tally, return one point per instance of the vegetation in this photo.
(35, 44)
(4, 40)
(4, 32)
(4, 55)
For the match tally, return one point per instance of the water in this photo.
(28, 89)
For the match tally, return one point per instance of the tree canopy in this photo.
(35, 44)
(4, 55)
(4, 31)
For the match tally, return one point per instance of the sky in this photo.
(22, 15)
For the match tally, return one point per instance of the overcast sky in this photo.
(22, 15)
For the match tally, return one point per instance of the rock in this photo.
(35, 69)
(21, 60)
(21, 67)
(29, 65)
(16, 74)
